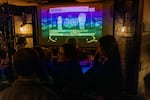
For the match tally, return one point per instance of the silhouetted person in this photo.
(67, 73)
(27, 85)
(105, 78)
(73, 41)
(21, 43)
(45, 56)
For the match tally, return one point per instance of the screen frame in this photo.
(44, 42)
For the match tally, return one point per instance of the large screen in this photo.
(58, 23)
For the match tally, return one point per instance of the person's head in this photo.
(109, 47)
(39, 51)
(67, 52)
(82, 18)
(59, 20)
(72, 41)
(26, 62)
(21, 41)
(47, 54)
(147, 84)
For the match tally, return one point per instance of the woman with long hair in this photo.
(105, 78)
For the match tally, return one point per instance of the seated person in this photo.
(27, 85)
(21, 43)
